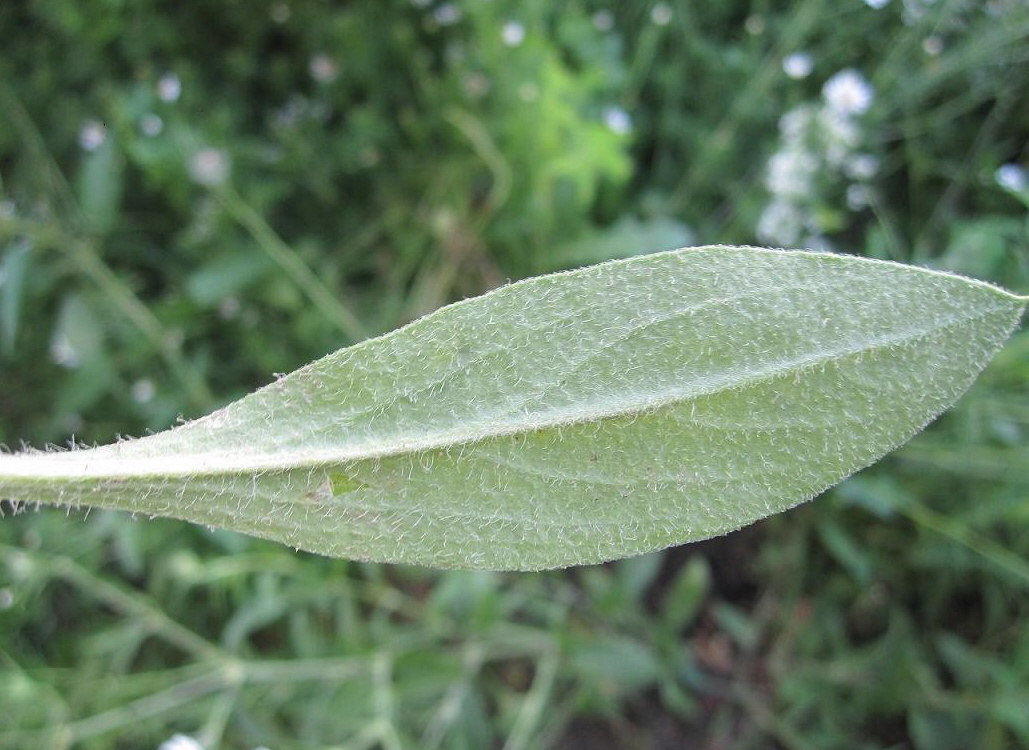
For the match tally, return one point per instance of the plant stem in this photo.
(287, 259)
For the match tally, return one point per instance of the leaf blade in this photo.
(580, 416)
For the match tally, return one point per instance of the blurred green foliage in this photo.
(193, 198)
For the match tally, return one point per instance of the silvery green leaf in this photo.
(570, 418)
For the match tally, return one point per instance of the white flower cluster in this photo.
(819, 148)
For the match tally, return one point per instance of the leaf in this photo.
(100, 186)
(226, 275)
(570, 418)
(14, 264)
(627, 237)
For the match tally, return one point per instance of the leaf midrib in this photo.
(106, 463)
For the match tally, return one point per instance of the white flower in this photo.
(798, 65)
(513, 33)
(169, 87)
(932, 45)
(840, 135)
(323, 68)
(1012, 177)
(181, 742)
(143, 390)
(877, 4)
(447, 14)
(791, 173)
(20, 566)
(780, 224)
(861, 167)
(63, 352)
(603, 20)
(228, 307)
(858, 197)
(915, 10)
(794, 125)
(280, 12)
(151, 125)
(661, 14)
(819, 242)
(754, 25)
(209, 166)
(848, 93)
(369, 156)
(838, 128)
(92, 135)
(476, 85)
(528, 92)
(618, 120)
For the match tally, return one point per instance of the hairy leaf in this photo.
(570, 418)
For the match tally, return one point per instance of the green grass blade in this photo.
(570, 418)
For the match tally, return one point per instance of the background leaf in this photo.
(13, 266)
